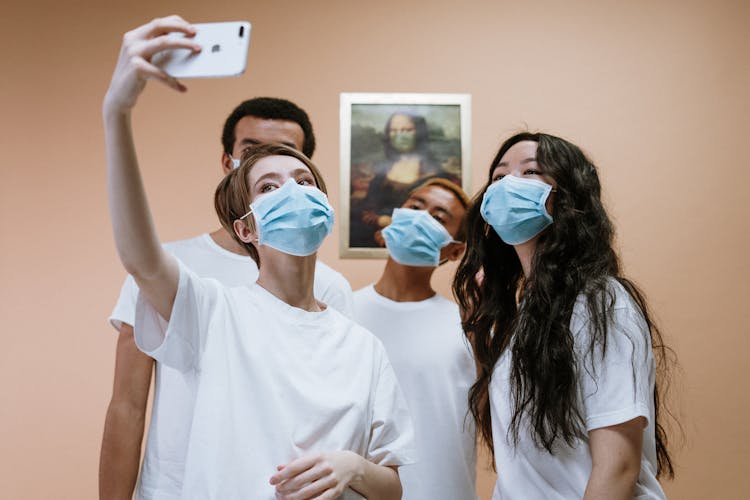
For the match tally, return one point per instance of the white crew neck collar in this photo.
(394, 304)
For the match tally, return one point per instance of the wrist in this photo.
(114, 110)
(357, 466)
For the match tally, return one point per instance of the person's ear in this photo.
(245, 230)
(227, 165)
(455, 250)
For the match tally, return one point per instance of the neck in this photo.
(525, 252)
(222, 238)
(405, 283)
(288, 277)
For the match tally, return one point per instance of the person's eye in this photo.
(305, 181)
(497, 177)
(533, 171)
(439, 218)
(267, 187)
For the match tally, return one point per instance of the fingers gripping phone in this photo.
(224, 52)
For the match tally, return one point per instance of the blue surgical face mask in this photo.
(414, 238)
(293, 219)
(515, 208)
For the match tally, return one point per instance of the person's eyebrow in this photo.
(439, 209)
(301, 170)
(277, 177)
(527, 160)
(249, 141)
(269, 175)
(445, 211)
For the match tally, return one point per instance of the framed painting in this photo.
(390, 144)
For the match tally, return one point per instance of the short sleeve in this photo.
(179, 342)
(124, 311)
(392, 440)
(617, 387)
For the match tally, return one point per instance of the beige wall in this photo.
(656, 92)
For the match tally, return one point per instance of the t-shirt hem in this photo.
(407, 457)
(617, 417)
(117, 323)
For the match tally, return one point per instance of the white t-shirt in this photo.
(174, 392)
(274, 383)
(613, 391)
(435, 369)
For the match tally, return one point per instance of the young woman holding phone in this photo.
(293, 400)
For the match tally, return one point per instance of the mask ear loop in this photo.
(248, 213)
(245, 216)
(441, 262)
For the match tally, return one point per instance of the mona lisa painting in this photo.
(390, 144)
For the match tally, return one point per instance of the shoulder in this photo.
(363, 294)
(619, 313)
(327, 277)
(613, 295)
(185, 243)
(188, 277)
(325, 271)
(354, 333)
(444, 304)
(618, 309)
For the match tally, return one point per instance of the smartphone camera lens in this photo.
(242, 31)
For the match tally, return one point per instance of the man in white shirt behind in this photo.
(213, 255)
(422, 334)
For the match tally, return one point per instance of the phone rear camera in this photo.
(242, 31)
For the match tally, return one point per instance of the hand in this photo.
(134, 64)
(320, 476)
(378, 237)
(384, 220)
(370, 218)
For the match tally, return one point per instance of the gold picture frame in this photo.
(390, 143)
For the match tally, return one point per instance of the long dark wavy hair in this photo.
(573, 256)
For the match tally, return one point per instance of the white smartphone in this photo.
(224, 52)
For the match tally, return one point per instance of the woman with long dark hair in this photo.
(567, 395)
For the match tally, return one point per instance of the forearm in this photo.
(134, 232)
(120, 453)
(611, 483)
(616, 460)
(155, 272)
(376, 482)
(124, 424)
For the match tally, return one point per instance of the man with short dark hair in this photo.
(217, 255)
(422, 334)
